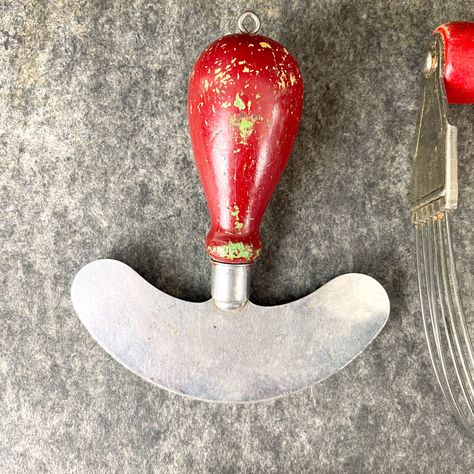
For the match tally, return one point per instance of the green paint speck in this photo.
(234, 250)
(235, 213)
(239, 103)
(246, 128)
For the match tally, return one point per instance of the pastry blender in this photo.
(448, 78)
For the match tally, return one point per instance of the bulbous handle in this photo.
(458, 43)
(245, 101)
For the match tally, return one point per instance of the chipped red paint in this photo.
(458, 39)
(244, 108)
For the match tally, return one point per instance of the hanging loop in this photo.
(255, 19)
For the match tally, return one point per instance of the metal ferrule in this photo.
(434, 184)
(230, 285)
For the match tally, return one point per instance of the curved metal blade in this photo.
(197, 350)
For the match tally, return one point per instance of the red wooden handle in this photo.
(245, 100)
(458, 39)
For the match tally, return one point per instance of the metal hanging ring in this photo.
(255, 19)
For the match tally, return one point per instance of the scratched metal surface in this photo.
(261, 353)
(95, 162)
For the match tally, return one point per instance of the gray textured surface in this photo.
(96, 162)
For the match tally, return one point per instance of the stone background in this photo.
(95, 162)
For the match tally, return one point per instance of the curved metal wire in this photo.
(449, 342)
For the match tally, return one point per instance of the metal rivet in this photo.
(430, 63)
